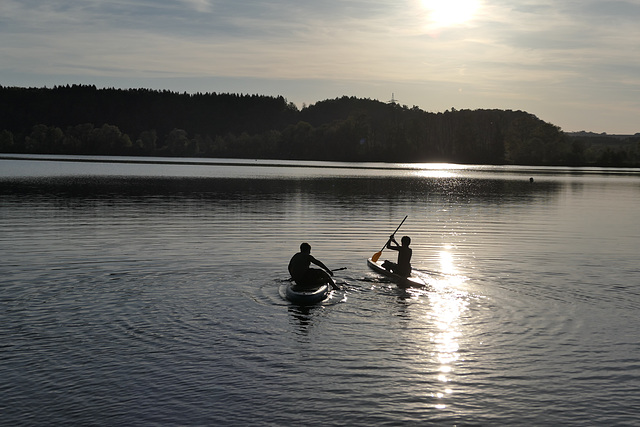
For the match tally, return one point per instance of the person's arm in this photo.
(321, 265)
(393, 239)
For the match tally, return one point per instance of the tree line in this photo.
(82, 119)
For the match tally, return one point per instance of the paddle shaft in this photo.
(385, 245)
(376, 256)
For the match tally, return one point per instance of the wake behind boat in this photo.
(412, 281)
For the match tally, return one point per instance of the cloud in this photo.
(199, 5)
(287, 39)
(512, 53)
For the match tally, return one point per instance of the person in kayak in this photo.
(403, 266)
(304, 276)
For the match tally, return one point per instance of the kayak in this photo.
(306, 296)
(403, 282)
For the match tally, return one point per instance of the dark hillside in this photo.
(141, 122)
(138, 110)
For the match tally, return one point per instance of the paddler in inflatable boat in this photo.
(306, 277)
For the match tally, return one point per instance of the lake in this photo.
(149, 293)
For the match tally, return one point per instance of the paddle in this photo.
(377, 255)
(334, 285)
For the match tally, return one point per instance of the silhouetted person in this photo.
(306, 277)
(403, 266)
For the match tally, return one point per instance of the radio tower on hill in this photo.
(393, 100)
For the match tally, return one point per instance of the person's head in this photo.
(306, 248)
(406, 240)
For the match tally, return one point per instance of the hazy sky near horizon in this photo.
(573, 63)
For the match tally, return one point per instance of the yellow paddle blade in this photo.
(376, 256)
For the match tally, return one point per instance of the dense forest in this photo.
(140, 122)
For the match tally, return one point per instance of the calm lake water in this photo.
(150, 294)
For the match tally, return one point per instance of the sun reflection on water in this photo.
(434, 174)
(446, 261)
(447, 306)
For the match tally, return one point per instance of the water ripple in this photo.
(136, 302)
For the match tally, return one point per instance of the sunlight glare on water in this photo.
(433, 174)
(447, 307)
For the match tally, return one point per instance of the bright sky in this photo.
(573, 63)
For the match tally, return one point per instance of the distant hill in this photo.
(81, 119)
(599, 135)
(607, 150)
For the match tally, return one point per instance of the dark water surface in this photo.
(142, 294)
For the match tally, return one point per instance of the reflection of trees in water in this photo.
(354, 191)
(348, 194)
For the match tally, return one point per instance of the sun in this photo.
(446, 13)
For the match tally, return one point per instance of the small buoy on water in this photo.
(530, 179)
